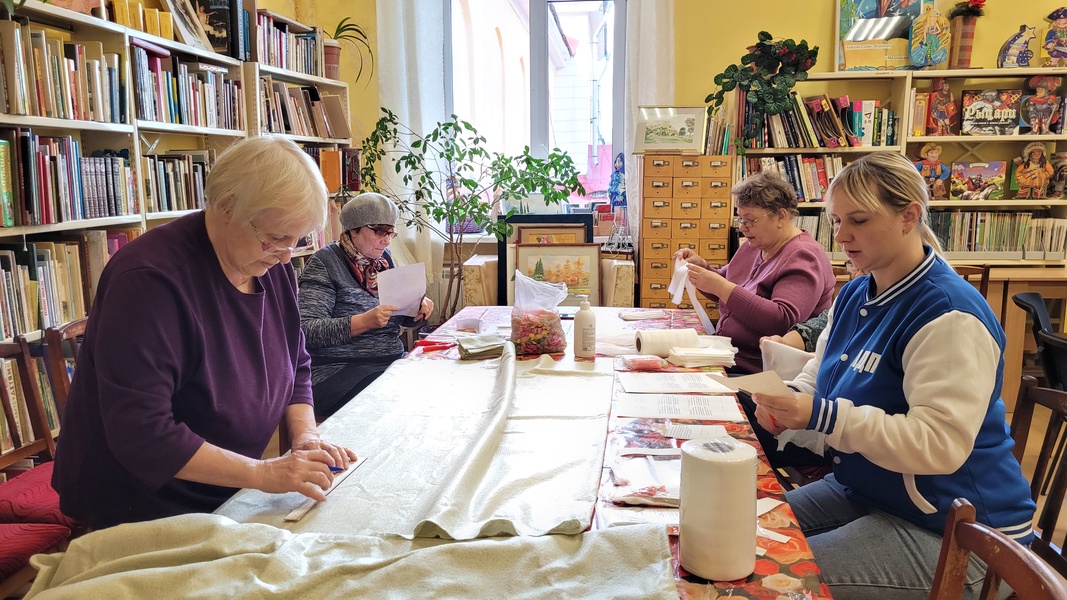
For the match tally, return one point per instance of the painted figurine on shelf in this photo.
(617, 185)
(1016, 49)
(1040, 110)
(1055, 45)
(934, 171)
(1032, 171)
(942, 110)
(929, 37)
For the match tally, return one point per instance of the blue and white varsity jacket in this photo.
(906, 387)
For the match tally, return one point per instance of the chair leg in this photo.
(1059, 453)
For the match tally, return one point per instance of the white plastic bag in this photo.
(535, 326)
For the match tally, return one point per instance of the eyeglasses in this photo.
(748, 223)
(270, 247)
(383, 232)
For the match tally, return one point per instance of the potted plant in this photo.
(766, 74)
(346, 31)
(453, 185)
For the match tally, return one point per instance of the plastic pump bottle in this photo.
(584, 330)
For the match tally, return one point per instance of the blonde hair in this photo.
(883, 182)
(268, 173)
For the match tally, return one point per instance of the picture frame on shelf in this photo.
(577, 265)
(672, 129)
(187, 24)
(505, 248)
(873, 35)
(559, 234)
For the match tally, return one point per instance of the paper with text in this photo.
(767, 382)
(696, 432)
(678, 406)
(404, 287)
(666, 383)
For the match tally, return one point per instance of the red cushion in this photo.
(29, 498)
(20, 541)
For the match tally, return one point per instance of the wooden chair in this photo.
(42, 442)
(1049, 465)
(61, 342)
(980, 271)
(1007, 561)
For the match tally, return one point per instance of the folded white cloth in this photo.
(714, 350)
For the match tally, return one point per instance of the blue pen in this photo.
(336, 469)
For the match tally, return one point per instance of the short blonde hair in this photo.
(886, 182)
(265, 173)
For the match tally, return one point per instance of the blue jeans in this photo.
(868, 554)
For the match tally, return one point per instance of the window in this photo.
(543, 73)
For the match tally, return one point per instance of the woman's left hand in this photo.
(341, 456)
(425, 310)
(788, 412)
(709, 281)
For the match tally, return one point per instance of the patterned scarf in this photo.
(364, 269)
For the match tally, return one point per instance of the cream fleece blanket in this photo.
(461, 450)
(209, 556)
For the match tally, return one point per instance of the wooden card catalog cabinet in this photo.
(686, 204)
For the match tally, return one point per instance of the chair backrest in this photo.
(1006, 560)
(979, 271)
(1050, 462)
(1053, 349)
(22, 405)
(1034, 304)
(61, 342)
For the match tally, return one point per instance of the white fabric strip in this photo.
(679, 283)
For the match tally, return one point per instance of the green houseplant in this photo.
(347, 31)
(453, 185)
(766, 73)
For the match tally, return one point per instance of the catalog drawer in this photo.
(658, 187)
(686, 208)
(687, 187)
(656, 248)
(657, 268)
(716, 166)
(656, 228)
(655, 288)
(716, 209)
(711, 187)
(685, 228)
(658, 208)
(659, 166)
(678, 244)
(688, 166)
(713, 249)
(653, 303)
(712, 228)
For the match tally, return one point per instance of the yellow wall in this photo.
(702, 50)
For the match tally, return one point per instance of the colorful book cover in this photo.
(1038, 113)
(7, 206)
(944, 111)
(978, 180)
(990, 112)
(920, 112)
(215, 17)
(1057, 184)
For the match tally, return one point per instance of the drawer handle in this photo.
(716, 247)
(660, 163)
(716, 225)
(657, 305)
(687, 225)
(659, 204)
(690, 184)
(690, 163)
(716, 184)
(659, 246)
(690, 246)
(660, 184)
(656, 286)
(717, 163)
(716, 205)
(658, 265)
(689, 205)
(660, 224)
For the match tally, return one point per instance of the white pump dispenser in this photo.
(584, 330)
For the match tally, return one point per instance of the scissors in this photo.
(431, 345)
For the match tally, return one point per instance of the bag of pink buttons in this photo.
(642, 362)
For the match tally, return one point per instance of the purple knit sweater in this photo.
(772, 295)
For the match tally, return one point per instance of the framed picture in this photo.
(874, 35)
(505, 249)
(187, 24)
(560, 234)
(670, 129)
(577, 265)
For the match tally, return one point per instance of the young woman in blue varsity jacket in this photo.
(905, 384)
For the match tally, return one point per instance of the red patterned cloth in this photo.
(20, 541)
(29, 498)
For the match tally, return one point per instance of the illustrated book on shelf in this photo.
(978, 180)
(1039, 114)
(990, 112)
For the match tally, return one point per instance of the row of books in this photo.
(819, 122)
(226, 23)
(135, 15)
(47, 74)
(810, 176)
(175, 180)
(10, 379)
(171, 90)
(339, 167)
(301, 110)
(288, 46)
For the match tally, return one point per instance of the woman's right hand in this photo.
(378, 317)
(304, 471)
(791, 338)
(689, 256)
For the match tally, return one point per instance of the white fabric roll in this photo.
(660, 341)
(717, 520)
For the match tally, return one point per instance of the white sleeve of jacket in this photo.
(950, 369)
(805, 381)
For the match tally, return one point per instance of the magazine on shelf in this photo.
(990, 112)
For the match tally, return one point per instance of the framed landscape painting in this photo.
(505, 249)
(577, 265)
(670, 129)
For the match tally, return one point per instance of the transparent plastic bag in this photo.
(535, 326)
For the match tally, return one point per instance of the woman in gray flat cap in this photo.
(352, 337)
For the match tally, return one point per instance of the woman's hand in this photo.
(341, 456)
(691, 257)
(710, 282)
(378, 317)
(791, 338)
(425, 310)
(304, 471)
(778, 413)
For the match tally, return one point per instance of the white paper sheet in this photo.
(766, 382)
(404, 287)
(667, 383)
(678, 406)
